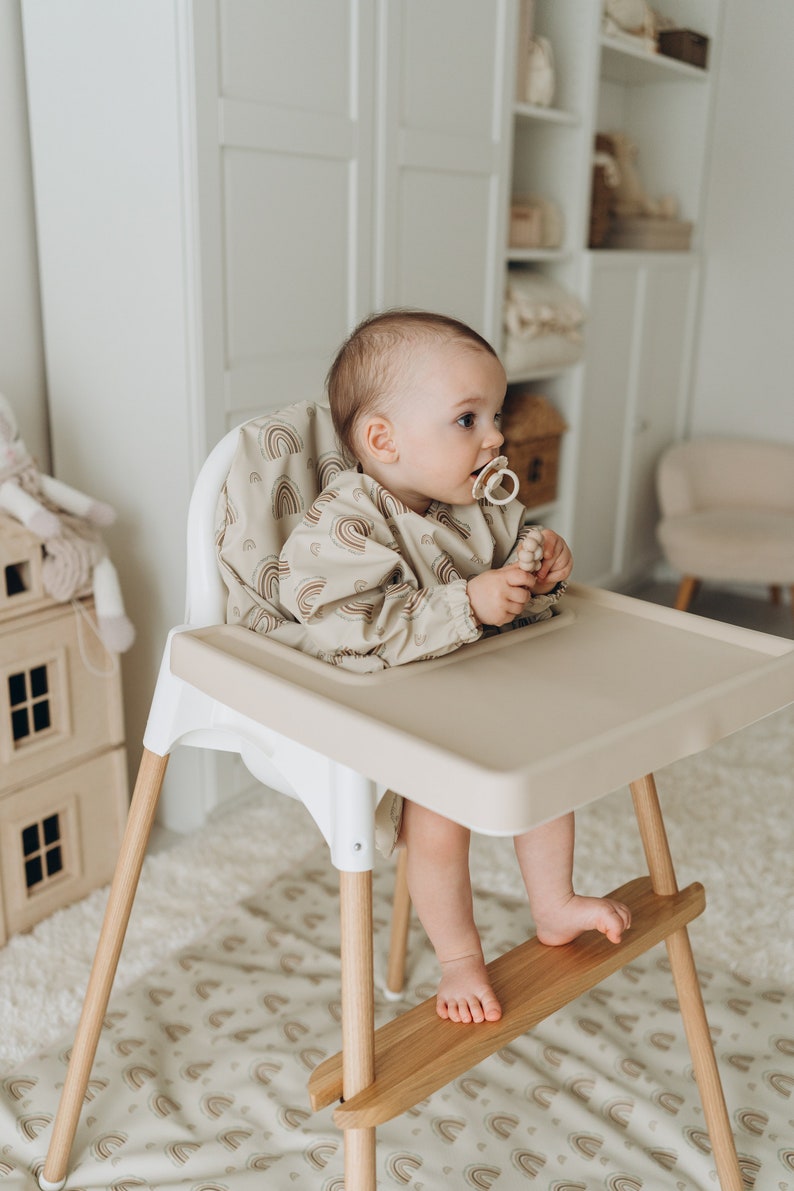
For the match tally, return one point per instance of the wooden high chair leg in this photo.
(358, 1019)
(117, 914)
(400, 925)
(690, 998)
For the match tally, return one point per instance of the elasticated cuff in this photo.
(461, 616)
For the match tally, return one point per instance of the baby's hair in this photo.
(365, 372)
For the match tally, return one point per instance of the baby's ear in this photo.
(377, 438)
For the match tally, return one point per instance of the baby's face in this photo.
(446, 424)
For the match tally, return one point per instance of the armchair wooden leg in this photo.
(775, 593)
(358, 1019)
(400, 925)
(687, 590)
(117, 914)
(690, 998)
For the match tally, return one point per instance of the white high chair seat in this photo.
(181, 714)
(617, 687)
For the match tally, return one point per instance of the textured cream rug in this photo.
(222, 1009)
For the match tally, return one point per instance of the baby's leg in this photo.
(440, 886)
(545, 856)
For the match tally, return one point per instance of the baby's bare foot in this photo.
(566, 922)
(465, 994)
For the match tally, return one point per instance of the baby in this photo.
(397, 561)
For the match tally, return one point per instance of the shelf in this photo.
(643, 256)
(530, 111)
(528, 256)
(625, 64)
(523, 378)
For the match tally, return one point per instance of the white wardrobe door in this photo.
(294, 86)
(444, 146)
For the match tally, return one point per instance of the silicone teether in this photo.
(530, 550)
(489, 479)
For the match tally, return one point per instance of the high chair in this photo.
(618, 688)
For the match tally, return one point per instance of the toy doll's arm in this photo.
(29, 511)
(72, 501)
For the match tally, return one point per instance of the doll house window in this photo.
(17, 578)
(30, 704)
(42, 852)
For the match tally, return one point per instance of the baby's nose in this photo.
(494, 438)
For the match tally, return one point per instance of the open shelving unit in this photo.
(606, 84)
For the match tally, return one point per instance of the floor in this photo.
(748, 611)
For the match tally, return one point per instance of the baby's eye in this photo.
(467, 421)
(498, 417)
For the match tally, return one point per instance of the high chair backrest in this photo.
(206, 594)
(280, 463)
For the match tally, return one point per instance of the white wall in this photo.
(22, 377)
(745, 356)
(118, 344)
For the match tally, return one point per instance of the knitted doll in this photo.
(75, 559)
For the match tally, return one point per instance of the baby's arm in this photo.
(365, 599)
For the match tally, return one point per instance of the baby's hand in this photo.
(557, 562)
(499, 596)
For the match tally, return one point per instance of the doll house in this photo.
(63, 778)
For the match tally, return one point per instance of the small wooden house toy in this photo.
(63, 777)
(533, 430)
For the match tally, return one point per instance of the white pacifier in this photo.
(489, 479)
(530, 550)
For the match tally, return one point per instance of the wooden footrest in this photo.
(417, 1053)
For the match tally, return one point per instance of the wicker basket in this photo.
(648, 234)
(526, 225)
(533, 431)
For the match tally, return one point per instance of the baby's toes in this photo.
(615, 919)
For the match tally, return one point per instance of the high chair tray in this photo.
(509, 732)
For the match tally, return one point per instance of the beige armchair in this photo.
(727, 510)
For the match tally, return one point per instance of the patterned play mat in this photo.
(200, 1080)
(201, 1074)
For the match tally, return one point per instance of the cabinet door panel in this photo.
(297, 55)
(294, 165)
(446, 67)
(663, 367)
(607, 380)
(441, 190)
(441, 264)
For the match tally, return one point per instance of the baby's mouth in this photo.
(478, 470)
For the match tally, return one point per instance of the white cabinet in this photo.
(640, 335)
